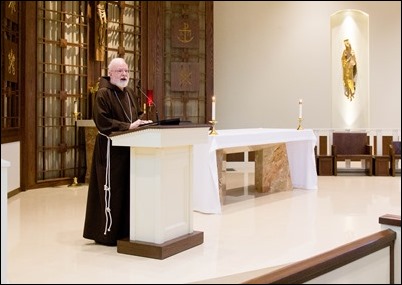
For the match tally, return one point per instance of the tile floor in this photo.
(254, 232)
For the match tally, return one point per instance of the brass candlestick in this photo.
(76, 115)
(75, 183)
(300, 127)
(213, 132)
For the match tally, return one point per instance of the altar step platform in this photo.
(248, 237)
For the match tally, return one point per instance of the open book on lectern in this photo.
(166, 122)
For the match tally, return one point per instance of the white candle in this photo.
(300, 108)
(213, 108)
(75, 106)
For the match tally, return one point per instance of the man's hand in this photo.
(139, 123)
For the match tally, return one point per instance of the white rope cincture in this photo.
(106, 188)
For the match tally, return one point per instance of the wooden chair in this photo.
(382, 159)
(395, 154)
(324, 160)
(353, 146)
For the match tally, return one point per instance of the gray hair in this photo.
(116, 61)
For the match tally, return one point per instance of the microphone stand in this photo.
(152, 101)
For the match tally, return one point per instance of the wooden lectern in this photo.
(161, 185)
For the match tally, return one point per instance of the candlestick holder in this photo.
(76, 115)
(300, 127)
(75, 183)
(213, 132)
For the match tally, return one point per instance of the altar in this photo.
(298, 146)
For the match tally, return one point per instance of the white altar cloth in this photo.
(300, 150)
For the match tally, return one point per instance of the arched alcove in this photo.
(350, 110)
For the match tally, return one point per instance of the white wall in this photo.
(5, 165)
(11, 153)
(274, 52)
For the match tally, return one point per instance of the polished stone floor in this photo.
(254, 232)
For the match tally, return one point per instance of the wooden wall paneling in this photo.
(28, 64)
(155, 59)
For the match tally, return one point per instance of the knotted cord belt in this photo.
(106, 187)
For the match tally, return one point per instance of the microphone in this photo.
(149, 99)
